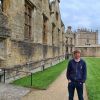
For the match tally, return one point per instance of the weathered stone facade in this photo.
(84, 40)
(89, 51)
(35, 33)
(85, 37)
(69, 42)
(87, 42)
(4, 35)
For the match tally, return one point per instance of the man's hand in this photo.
(69, 81)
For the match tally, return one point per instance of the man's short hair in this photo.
(76, 51)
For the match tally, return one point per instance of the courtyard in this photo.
(57, 88)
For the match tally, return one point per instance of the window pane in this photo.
(28, 14)
(0, 4)
(26, 31)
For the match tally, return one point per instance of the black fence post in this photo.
(31, 79)
(4, 76)
(43, 67)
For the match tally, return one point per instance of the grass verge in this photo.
(41, 80)
(93, 78)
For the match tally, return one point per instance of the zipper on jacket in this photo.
(76, 70)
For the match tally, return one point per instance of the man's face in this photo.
(77, 55)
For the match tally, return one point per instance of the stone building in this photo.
(83, 39)
(31, 34)
(87, 41)
(69, 42)
(86, 37)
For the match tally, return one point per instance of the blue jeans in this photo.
(79, 88)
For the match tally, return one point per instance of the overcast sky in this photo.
(81, 14)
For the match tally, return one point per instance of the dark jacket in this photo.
(76, 71)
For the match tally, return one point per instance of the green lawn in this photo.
(42, 80)
(93, 78)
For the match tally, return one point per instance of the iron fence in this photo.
(7, 75)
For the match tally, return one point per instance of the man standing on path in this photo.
(76, 75)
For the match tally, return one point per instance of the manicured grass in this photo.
(93, 78)
(43, 79)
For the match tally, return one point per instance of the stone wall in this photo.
(86, 37)
(19, 51)
(5, 33)
(93, 51)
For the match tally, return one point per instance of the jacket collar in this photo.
(77, 60)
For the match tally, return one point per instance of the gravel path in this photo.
(57, 91)
(11, 92)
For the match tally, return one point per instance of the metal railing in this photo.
(4, 72)
(7, 75)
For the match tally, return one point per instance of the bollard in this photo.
(4, 76)
(43, 67)
(31, 79)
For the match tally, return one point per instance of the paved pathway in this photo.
(11, 92)
(57, 91)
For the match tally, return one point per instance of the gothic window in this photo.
(71, 49)
(66, 40)
(28, 19)
(58, 35)
(57, 16)
(1, 4)
(66, 49)
(71, 41)
(53, 28)
(87, 41)
(45, 26)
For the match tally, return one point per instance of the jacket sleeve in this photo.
(68, 70)
(84, 72)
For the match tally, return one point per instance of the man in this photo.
(76, 75)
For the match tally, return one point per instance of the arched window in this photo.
(57, 16)
(28, 19)
(53, 29)
(1, 4)
(45, 29)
